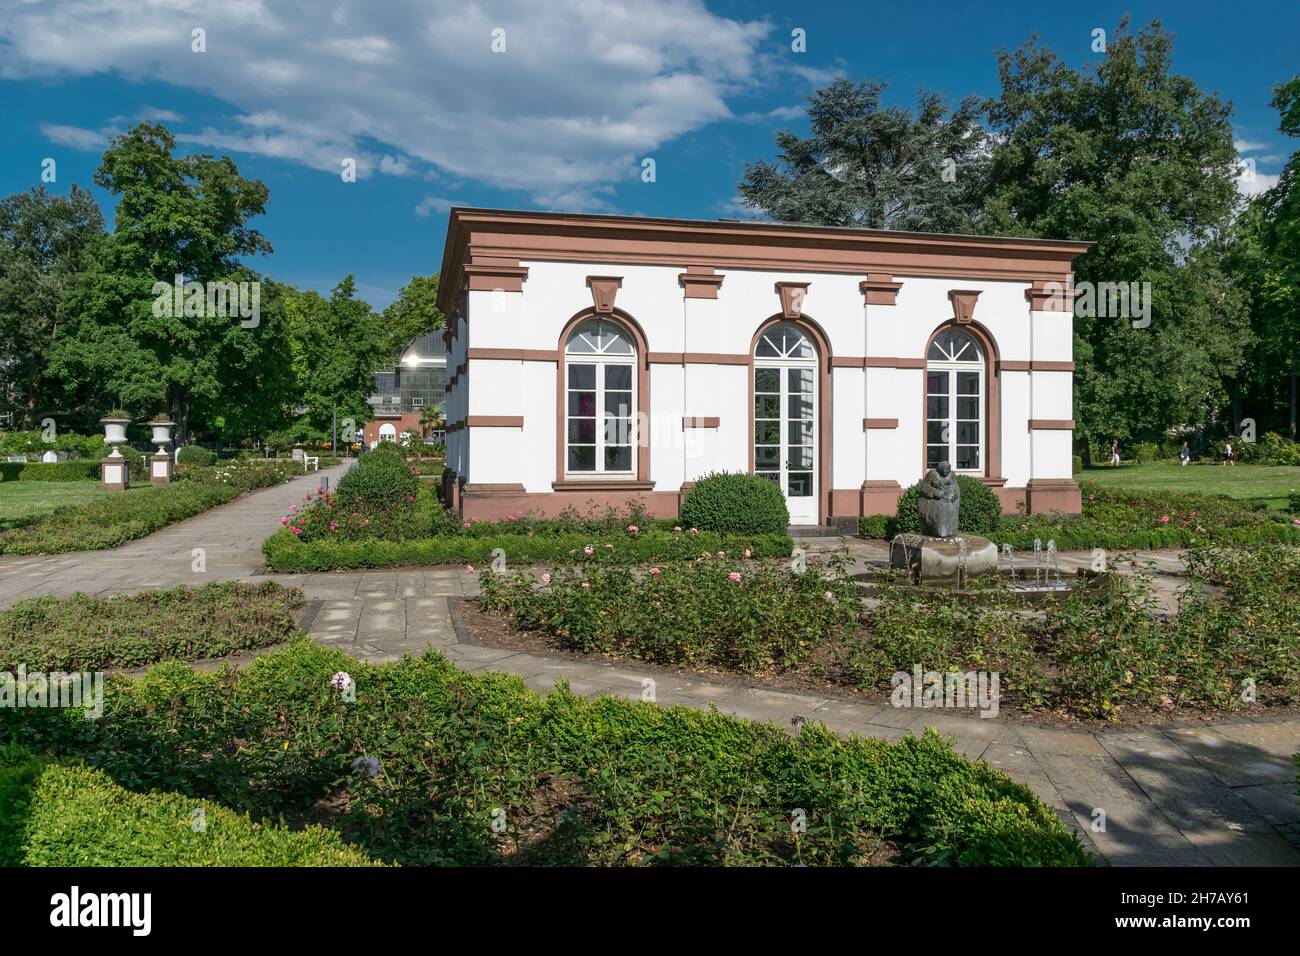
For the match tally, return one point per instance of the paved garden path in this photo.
(1210, 793)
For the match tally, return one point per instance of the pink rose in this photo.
(284, 521)
(469, 569)
(586, 586)
(1165, 519)
(546, 578)
(588, 550)
(722, 554)
(677, 528)
(829, 595)
(735, 576)
(654, 570)
(633, 528)
(695, 531)
(748, 553)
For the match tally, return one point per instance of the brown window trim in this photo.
(993, 399)
(642, 365)
(824, 401)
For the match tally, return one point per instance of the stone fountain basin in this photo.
(999, 586)
(950, 561)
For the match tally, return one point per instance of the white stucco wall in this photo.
(554, 292)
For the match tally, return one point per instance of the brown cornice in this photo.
(875, 361)
(879, 290)
(1055, 296)
(489, 277)
(700, 282)
(1051, 424)
(700, 421)
(879, 423)
(781, 247)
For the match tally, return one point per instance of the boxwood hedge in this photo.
(55, 813)
(421, 759)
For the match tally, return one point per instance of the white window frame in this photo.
(951, 368)
(600, 361)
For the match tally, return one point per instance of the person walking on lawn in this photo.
(1114, 452)
(1185, 454)
(1227, 452)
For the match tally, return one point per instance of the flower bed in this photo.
(1233, 646)
(1118, 519)
(324, 532)
(417, 760)
(716, 610)
(51, 633)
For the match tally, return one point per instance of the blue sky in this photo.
(584, 90)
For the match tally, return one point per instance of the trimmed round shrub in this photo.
(736, 503)
(377, 483)
(196, 455)
(981, 510)
(388, 449)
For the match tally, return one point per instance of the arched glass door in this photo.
(954, 402)
(785, 417)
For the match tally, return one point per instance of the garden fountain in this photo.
(939, 556)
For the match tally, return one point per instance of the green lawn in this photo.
(23, 500)
(1268, 483)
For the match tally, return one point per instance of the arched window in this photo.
(785, 417)
(954, 402)
(601, 387)
(387, 432)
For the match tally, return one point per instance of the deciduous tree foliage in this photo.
(45, 245)
(1266, 257)
(186, 216)
(1141, 161)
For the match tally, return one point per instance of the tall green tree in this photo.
(412, 314)
(1266, 257)
(1141, 161)
(46, 242)
(184, 216)
(875, 167)
(336, 346)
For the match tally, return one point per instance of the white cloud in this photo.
(433, 204)
(1251, 182)
(75, 137)
(776, 114)
(584, 90)
(1248, 145)
(159, 115)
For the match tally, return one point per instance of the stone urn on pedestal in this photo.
(114, 472)
(160, 463)
(940, 554)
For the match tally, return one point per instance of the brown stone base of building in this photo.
(497, 502)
